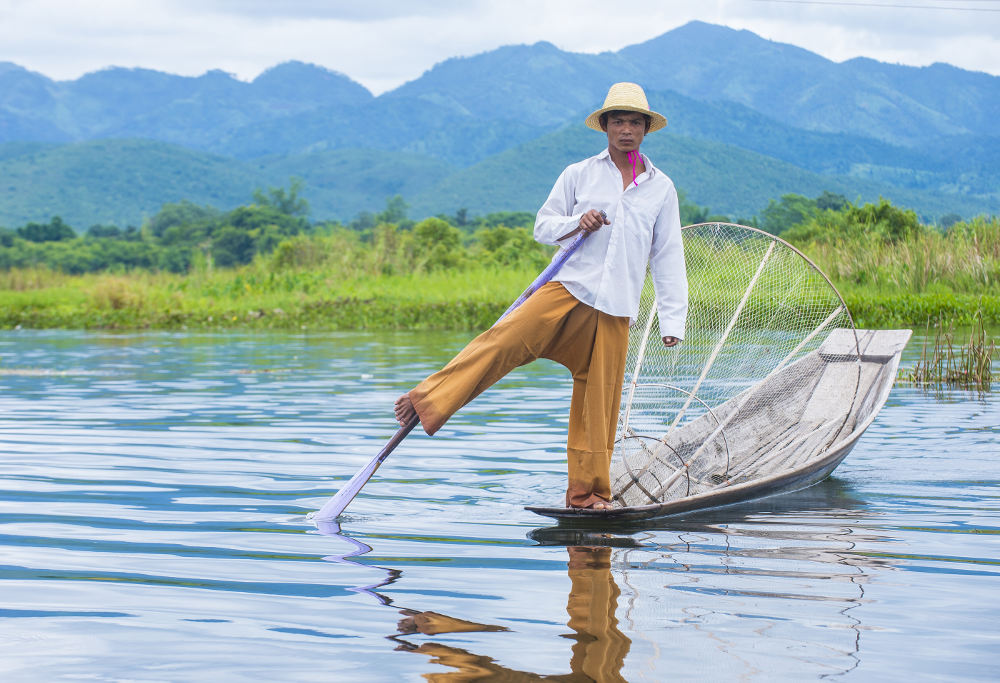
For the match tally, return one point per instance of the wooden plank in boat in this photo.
(876, 346)
(885, 344)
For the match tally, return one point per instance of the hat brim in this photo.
(658, 120)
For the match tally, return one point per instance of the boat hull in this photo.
(792, 481)
(882, 352)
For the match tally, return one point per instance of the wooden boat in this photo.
(784, 433)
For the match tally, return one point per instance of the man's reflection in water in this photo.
(432, 623)
(600, 648)
(597, 655)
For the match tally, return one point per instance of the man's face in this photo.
(626, 130)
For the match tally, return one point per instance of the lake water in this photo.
(155, 489)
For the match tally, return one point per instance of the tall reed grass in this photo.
(967, 364)
(964, 260)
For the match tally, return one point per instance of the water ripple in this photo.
(154, 491)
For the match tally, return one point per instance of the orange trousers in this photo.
(551, 324)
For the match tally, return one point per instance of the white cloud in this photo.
(368, 10)
(383, 43)
(917, 34)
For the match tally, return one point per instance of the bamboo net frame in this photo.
(757, 307)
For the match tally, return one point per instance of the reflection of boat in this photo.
(787, 432)
(740, 584)
(741, 596)
(828, 499)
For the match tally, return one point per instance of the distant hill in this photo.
(141, 103)
(122, 182)
(731, 180)
(863, 97)
(393, 125)
(116, 182)
(750, 119)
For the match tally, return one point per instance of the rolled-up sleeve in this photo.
(556, 217)
(666, 264)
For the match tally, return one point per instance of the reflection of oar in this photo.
(344, 496)
(331, 528)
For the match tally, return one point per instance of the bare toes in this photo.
(404, 410)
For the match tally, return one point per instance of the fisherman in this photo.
(580, 319)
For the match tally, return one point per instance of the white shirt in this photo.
(608, 270)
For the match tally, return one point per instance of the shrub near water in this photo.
(116, 293)
(406, 279)
(892, 270)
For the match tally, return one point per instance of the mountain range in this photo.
(749, 120)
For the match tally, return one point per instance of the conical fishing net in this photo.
(767, 375)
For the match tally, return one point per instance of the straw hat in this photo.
(626, 97)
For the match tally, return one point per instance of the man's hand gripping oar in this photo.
(589, 222)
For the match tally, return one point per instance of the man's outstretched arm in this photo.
(666, 264)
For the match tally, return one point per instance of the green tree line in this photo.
(266, 265)
(275, 228)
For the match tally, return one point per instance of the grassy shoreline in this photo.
(257, 298)
(891, 270)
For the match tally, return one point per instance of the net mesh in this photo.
(737, 399)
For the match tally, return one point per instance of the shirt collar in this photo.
(650, 169)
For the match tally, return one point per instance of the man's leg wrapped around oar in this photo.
(550, 324)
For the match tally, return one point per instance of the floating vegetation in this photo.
(968, 365)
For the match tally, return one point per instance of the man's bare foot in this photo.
(598, 505)
(405, 412)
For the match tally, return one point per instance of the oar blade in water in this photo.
(340, 500)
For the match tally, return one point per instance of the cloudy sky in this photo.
(383, 43)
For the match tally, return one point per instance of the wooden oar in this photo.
(339, 502)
